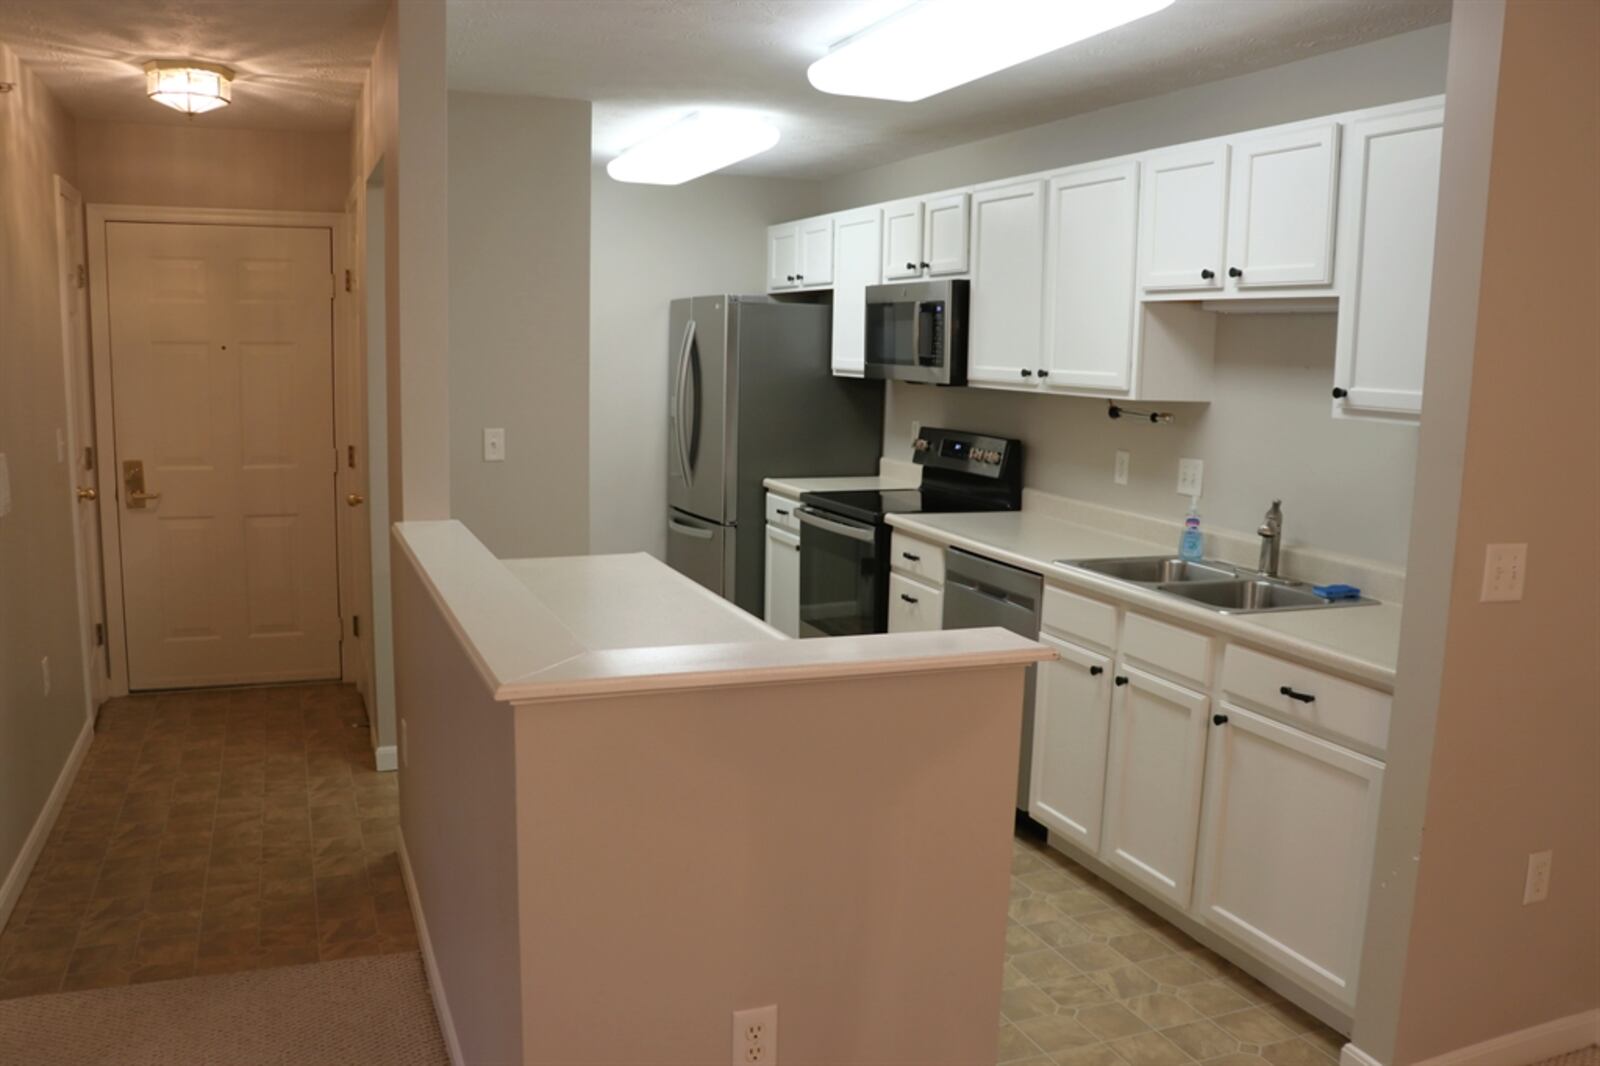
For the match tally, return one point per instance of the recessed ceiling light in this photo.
(936, 45)
(188, 86)
(702, 142)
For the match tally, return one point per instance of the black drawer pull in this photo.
(1235, 272)
(911, 266)
(1207, 275)
(781, 511)
(1096, 671)
(1219, 719)
(908, 599)
(1027, 373)
(1120, 680)
(913, 558)
(1339, 394)
(1303, 697)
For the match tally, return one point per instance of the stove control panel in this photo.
(969, 453)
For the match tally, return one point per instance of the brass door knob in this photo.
(355, 499)
(88, 494)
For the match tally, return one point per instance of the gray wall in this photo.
(519, 320)
(1346, 485)
(652, 244)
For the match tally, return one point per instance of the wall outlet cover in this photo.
(755, 1036)
(1536, 886)
(1503, 567)
(1119, 470)
(494, 445)
(1191, 476)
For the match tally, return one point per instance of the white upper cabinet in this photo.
(1007, 301)
(902, 240)
(1391, 182)
(783, 256)
(816, 252)
(1281, 208)
(1071, 721)
(1091, 249)
(944, 234)
(1182, 218)
(1286, 851)
(857, 243)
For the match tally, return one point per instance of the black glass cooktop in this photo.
(870, 505)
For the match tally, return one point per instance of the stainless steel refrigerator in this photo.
(751, 395)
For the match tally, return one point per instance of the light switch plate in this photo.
(494, 445)
(1191, 475)
(1503, 567)
(1536, 885)
(1119, 472)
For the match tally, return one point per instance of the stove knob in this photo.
(920, 444)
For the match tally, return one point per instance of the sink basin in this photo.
(1254, 594)
(1156, 569)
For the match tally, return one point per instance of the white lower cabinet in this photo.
(1071, 723)
(783, 581)
(914, 607)
(1153, 776)
(1287, 848)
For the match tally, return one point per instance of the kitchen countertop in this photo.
(1359, 642)
(794, 487)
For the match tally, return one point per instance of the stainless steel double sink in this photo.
(1216, 585)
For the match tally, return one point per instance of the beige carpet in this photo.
(1589, 1056)
(374, 1009)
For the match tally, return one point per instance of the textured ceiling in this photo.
(645, 63)
(300, 63)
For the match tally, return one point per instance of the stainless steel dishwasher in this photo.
(979, 592)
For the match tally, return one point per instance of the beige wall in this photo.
(38, 604)
(519, 321)
(650, 245)
(1346, 485)
(201, 166)
(1515, 756)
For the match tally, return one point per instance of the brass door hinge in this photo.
(349, 281)
(355, 625)
(82, 276)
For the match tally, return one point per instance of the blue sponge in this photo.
(1337, 592)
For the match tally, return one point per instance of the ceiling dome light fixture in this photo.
(696, 145)
(187, 86)
(936, 45)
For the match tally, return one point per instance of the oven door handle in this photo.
(808, 517)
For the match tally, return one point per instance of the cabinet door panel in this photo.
(783, 581)
(857, 247)
(1090, 286)
(1281, 208)
(902, 240)
(944, 234)
(1286, 852)
(1182, 215)
(913, 606)
(1391, 182)
(816, 252)
(1157, 755)
(1007, 302)
(1071, 718)
(783, 256)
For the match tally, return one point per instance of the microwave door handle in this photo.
(682, 388)
(808, 517)
(916, 333)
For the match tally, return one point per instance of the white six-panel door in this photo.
(222, 367)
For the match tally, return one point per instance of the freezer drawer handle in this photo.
(689, 531)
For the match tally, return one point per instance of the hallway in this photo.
(214, 831)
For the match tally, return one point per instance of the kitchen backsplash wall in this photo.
(1346, 485)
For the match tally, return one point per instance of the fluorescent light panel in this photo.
(936, 45)
(699, 144)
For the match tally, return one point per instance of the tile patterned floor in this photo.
(214, 831)
(1094, 979)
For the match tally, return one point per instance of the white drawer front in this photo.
(1306, 697)
(1079, 617)
(913, 606)
(780, 512)
(917, 557)
(1181, 654)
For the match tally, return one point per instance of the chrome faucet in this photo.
(1271, 534)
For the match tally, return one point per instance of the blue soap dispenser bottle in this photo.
(1191, 545)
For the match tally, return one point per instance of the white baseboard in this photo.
(1350, 1055)
(441, 1006)
(1528, 1045)
(386, 758)
(23, 866)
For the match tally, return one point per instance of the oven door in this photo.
(842, 587)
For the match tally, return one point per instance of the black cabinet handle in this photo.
(781, 511)
(1219, 719)
(1096, 671)
(1207, 275)
(1120, 680)
(927, 266)
(791, 277)
(911, 266)
(908, 599)
(1303, 697)
(912, 558)
(1339, 394)
(1235, 272)
(1043, 372)
(1027, 373)
(799, 277)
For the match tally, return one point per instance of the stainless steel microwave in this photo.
(917, 331)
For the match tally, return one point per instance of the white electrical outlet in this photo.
(1119, 471)
(1536, 887)
(405, 746)
(44, 673)
(1191, 475)
(494, 445)
(755, 1036)
(1503, 565)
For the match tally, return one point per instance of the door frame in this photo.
(342, 306)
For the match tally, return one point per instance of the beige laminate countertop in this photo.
(1362, 643)
(795, 487)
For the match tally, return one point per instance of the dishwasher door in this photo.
(979, 592)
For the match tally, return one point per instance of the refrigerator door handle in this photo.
(682, 389)
(689, 531)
